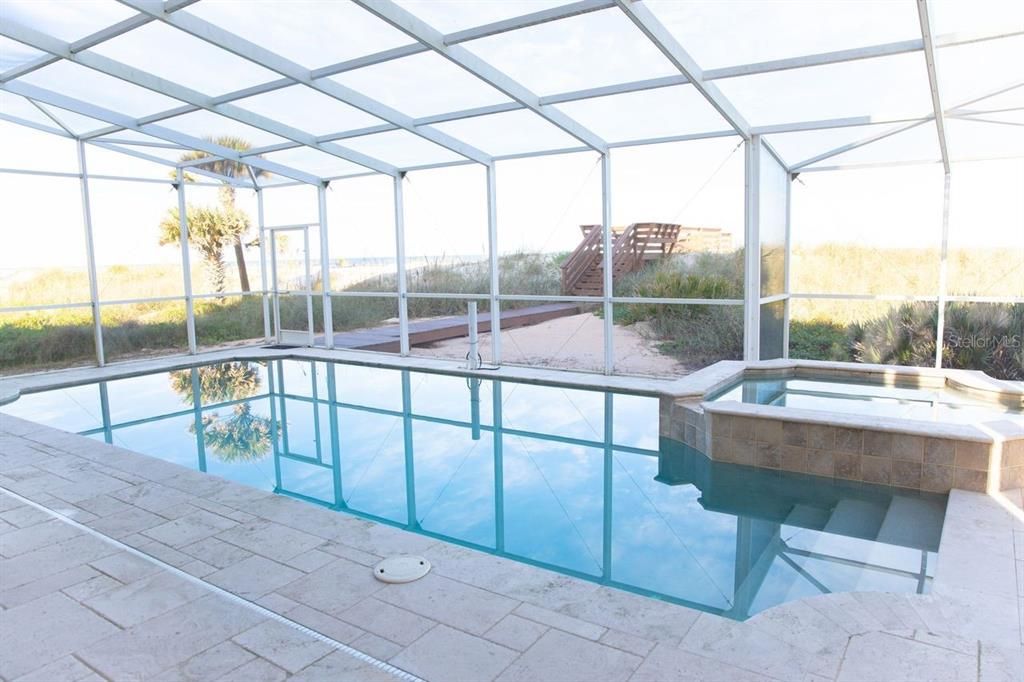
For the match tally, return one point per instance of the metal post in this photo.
(608, 471)
(786, 267)
(474, 407)
(197, 417)
(499, 469)
(410, 468)
(606, 226)
(325, 266)
(90, 255)
(403, 300)
(940, 327)
(263, 265)
(752, 252)
(186, 268)
(332, 399)
(492, 245)
(108, 432)
(274, 293)
(309, 287)
(277, 427)
(473, 357)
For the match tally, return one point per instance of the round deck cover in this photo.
(401, 569)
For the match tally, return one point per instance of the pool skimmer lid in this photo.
(401, 569)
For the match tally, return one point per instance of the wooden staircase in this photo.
(632, 247)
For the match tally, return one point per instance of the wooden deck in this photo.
(422, 332)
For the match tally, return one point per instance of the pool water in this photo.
(577, 481)
(857, 397)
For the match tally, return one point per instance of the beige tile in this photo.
(515, 632)
(794, 458)
(972, 455)
(769, 455)
(744, 428)
(284, 646)
(847, 466)
(400, 626)
(448, 601)
(906, 474)
(936, 477)
(721, 425)
(938, 451)
(908, 447)
(876, 469)
(470, 659)
(563, 657)
(850, 441)
(877, 443)
(794, 433)
(969, 479)
(821, 436)
(882, 656)
(561, 621)
(821, 462)
(768, 431)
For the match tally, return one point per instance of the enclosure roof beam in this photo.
(50, 115)
(170, 164)
(110, 67)
(115, 118)
(933, 79)
(256, 54)
(435, 40)
(649, 24)
(899, 129)
(835, 57)
(33, 124)
(526, 20)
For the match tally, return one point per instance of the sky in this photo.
(541, 201)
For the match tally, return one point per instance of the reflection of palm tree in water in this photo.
(242, 437)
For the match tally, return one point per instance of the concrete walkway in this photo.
(77, 606)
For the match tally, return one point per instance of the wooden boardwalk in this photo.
(422, 332)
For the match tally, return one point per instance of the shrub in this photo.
(819, 340)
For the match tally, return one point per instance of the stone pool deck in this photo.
(115, 565)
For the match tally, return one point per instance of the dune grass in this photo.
(695, 334)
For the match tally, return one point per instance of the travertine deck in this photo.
(77, 607)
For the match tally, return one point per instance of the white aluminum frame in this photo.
(450, 47)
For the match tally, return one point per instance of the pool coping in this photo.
(975, 594)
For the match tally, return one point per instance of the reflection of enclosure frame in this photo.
(291, 336)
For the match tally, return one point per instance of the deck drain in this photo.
(401, 569)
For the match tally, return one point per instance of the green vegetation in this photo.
(697, 335)
(977, 336)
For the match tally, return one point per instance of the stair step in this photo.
(856, 518)
(909, 519)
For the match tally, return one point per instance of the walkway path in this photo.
(386, 338)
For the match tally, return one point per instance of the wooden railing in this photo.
(583, 271)
(583, 260)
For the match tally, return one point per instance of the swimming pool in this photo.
(900, 400)
(577, 481)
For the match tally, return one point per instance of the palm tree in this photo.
(223, 226)
(242, 437)
(208, 230)
(218, 383)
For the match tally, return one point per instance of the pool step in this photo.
(856, 518)
(912, 522)
(806, 516)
